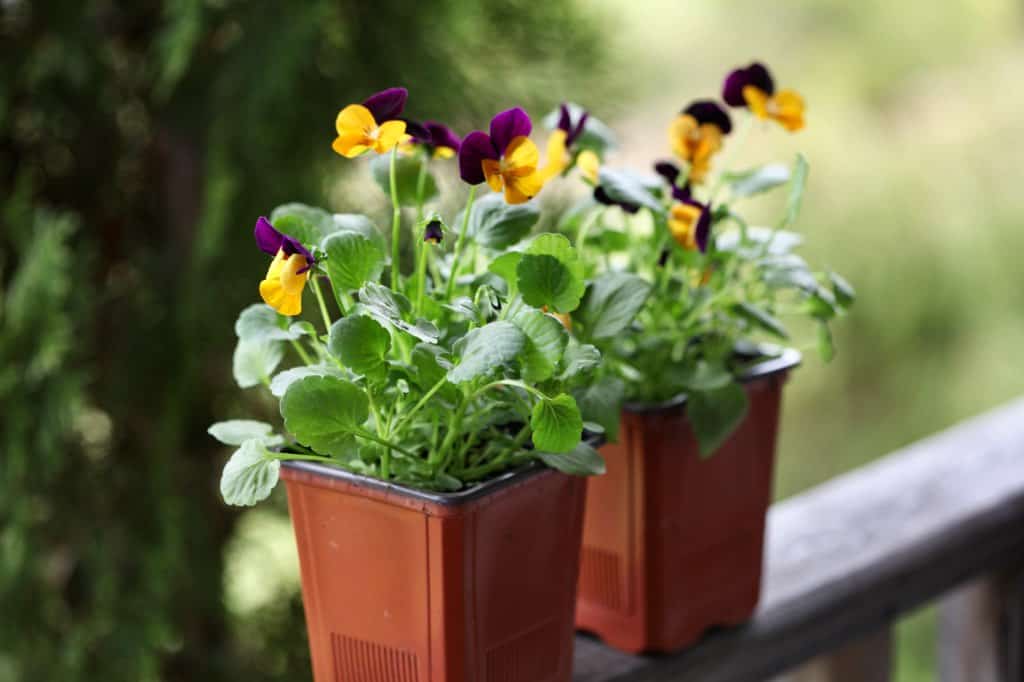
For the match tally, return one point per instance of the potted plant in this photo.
(688, 394)
(430, 442)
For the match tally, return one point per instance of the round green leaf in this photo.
(324, 412)
(237, 431)
(308, 224)
(550, 274)
(254, 361)
(250, 475)
(498, 225)
(260, 322)
(352, 260)
(486, 348)
(557, 424)
(546, 340)
(611, 303)
(360, 342)
(582, 460)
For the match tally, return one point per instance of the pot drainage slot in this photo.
(532, 656)
(601, 578)
(356, 660)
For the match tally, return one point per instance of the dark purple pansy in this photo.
(269, 240)
(601, 197)
(702, 230)
(708, 111)
(433, 233)
(756, 74)
(386, 105)
(478, 145)
(670, 172)
(433, 134)
(572, 132)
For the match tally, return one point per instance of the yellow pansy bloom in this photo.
(359, 132)
(785, 106)
(282, 288)
(515, 171)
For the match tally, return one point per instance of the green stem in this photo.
(323, 304)
(385, 442)
(459, 244)
(302, 352)
(508, 382)
(421, 276)
(396, 219)
(289, 456)
(419, 405)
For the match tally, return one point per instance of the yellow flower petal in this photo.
(492, 172)
(789, 108)
(355, 118)
(589, 164)
(679, 133)
(757, 100)
(443, 152)
(558, 158)
(351, 145)
(291, 280)
(519, 190)
(681, 223)
(389, 134)
(521, 156)
(283, 286)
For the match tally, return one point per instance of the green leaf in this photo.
(282, 380)
(497, 225)
(601, 402)
(388, 307)
(430, 363)
(308, 224)
(357, 222)
(611, 303)
(780, 242)
(407, 172)
(842, 289)
(756, 180)
(324, 413)
(546, 340)
(632, 188)
(788, 271)
(237, 431)
(260, 322)
(796, 192)
(761, 318)
(505, 266)
(352, 260)
(255, 361)
(250, 475)
(485, 349)
(551, 274)
(714, 415)
(826, 349)
(582, 460)
(557, 424)
(578, 359)
(361, 343)
(705, 376)
(821, 304)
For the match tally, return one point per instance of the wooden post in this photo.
(981, 630)
(868, 659)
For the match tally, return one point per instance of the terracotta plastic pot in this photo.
(672, 544)
(406, 586)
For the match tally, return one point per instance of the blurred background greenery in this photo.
(138, 141)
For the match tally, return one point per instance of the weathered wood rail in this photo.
(942, 519)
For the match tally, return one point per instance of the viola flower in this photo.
(282, 288)
(437, 138)
(602, 197)
(696, 135)
(589, 164)
(560, 144)
(506, 159)
(433, 233)
(690, 224)
(670, 172)
(754, 88)
(372, 125)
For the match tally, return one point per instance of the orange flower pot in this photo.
(405, 586)
(672, 543)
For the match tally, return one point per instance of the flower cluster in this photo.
(494, 348)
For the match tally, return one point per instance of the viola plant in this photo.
(697, 290)
(445, 376)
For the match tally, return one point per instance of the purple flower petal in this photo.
(420, 133)
(708, 111)
(601, 197)
(702, 231)
(268, 239)
(476, 147)
(564, 119)
(756, 74)
(507, 126)
(386, 105)
(670, 172)
(578, 130)
(292, 246)
(442, 136)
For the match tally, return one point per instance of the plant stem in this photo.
(289, 456)
(386, 443)
(422, 401)
(302, 352)
(323, 304)
(396, 219)
(459, 244)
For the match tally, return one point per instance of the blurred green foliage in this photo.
(138, 142)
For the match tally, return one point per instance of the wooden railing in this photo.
(941, 520)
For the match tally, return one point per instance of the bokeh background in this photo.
(138, 141)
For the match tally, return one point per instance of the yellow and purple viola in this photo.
(671, 173)
(373, 125)
(696, 135)
(754, 88)
(433, 233)
(282, 288)
(435, 138)
(561, 148)
(689, 221)
(506, 159)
